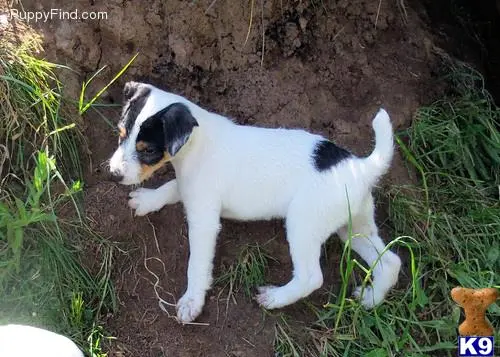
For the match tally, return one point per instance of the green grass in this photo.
(82, 105)
(33, 114)
(246, 273)
(460, 137)
(289, 341)
(449, 224)
(43, 281)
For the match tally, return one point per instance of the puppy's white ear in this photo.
(178, 124)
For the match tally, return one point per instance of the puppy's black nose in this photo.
(115, 176)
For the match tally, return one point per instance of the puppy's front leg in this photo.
(146, 200)
(204, 226)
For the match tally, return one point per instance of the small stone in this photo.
(303, 23)
(4, 20)
(292, 31)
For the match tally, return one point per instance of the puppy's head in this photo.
(154, 126)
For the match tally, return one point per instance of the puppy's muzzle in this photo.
(115, 176)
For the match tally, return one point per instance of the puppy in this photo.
(248, 173)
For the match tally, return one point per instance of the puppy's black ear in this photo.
(178, 124)
(129, 90)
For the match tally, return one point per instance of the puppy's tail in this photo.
(381, 157)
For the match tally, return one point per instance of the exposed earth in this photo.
(323, 66)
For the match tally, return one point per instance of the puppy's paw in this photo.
(368, 297)
(270, 297)
(189, 307)
(144, 201)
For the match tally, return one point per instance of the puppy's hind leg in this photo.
(305, 237)
(147, 200)
(368, 244)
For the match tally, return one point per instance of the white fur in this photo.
(250, 173)
(28, 341)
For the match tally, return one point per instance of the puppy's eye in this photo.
(149, 150)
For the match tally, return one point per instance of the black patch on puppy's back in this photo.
(326, 155)
(135, 96)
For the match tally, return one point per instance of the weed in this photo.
(287, 340)
(82, 106)
(32, 114)
(247, 272)
(42, 280)
(95, 340)
(459, 138)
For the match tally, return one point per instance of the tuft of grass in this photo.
(450, 225)
(458, 135)
(287, 339)
(247, 272)
(32, 112)
(95, 341)
(43, 281)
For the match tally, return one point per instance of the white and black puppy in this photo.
(248, 173)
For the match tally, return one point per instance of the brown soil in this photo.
(326, 67)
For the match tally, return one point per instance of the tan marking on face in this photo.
(122, 132)
(148, 170)
(141, 146)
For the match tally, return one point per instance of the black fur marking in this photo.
(327, 154)
(151, 133)
(178, 123)
(168, 130)
(135, 96)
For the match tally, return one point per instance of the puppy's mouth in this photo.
(129, 182)
(123, 180)
(139, 172)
